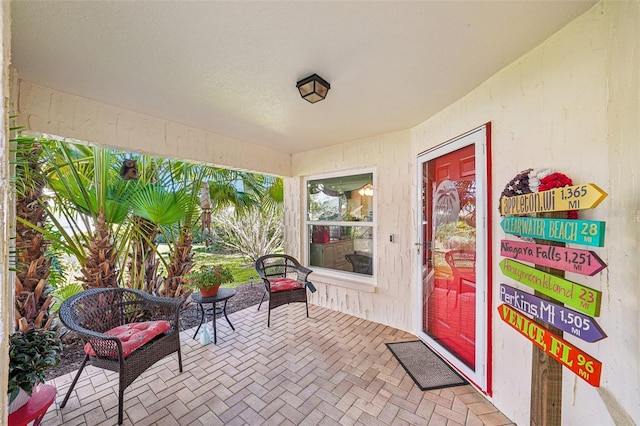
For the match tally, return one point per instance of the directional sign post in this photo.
(582, 298)
(585, 366)
(568, 320)
(585, 232)
(576, 197)
(551, 230)
(566, 259)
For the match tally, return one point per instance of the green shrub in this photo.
(31, 354)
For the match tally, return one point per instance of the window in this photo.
(339, 222)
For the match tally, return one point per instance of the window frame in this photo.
(348, 279)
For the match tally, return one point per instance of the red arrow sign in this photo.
(582, 262)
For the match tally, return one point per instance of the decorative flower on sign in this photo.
(537, 180)
(208, 276)
(518, 185)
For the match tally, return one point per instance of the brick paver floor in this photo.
(330, 369)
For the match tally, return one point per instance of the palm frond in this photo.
(155, 203)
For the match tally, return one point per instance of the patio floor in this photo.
(329, 369)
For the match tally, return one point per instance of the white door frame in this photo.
(480, 137)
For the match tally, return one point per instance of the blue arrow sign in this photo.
(585, 232)
(568, 320)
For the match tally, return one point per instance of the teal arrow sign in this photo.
(585, 232)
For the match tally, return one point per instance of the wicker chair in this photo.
(285, 281)
(362, 264)
(92, 313)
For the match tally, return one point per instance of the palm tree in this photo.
(105, 221)
(92, 198)
(152, 207)
(32, 298)
(225, 188)
(158, 211)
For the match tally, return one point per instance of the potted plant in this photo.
(31, 354)
(208, 279)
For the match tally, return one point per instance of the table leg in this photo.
(201, 319)
(213, 320)
(224, 311)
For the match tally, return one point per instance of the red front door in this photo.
(449, 227)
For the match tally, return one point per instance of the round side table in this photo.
(224, 294)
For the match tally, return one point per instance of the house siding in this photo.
(571, 104)
(393, 164)
(6, 215)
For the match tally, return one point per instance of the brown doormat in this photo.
(424, 366)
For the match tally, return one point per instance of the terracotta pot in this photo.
(209, 291)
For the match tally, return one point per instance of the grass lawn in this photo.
(241, 267)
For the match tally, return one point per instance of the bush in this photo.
(31, 354)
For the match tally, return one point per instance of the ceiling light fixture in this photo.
(313, 88)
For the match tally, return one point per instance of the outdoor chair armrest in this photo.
(303, 273)
(310, 286)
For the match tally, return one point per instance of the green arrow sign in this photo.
(579, 297)
(576, 197)
(585, 232)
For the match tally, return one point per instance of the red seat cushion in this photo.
(284, 284)
(133, 335)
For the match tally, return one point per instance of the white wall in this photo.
(571, 104)
(48, 111)
(6, 290)
(394, 166)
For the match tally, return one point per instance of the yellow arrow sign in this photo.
(577, 197)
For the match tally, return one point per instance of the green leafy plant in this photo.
(64, 292)
(208, 276)
(31, 354)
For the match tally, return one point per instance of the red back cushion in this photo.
(133, 335)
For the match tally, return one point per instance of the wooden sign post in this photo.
(546, 373)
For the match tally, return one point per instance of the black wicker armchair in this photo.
(95, 314)
(285, 281)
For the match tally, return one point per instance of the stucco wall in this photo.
(47, 111)
(390, 157)
(5, 212)
(571, 104)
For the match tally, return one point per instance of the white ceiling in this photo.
(231, 67)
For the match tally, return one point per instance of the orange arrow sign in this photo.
(585, 366)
